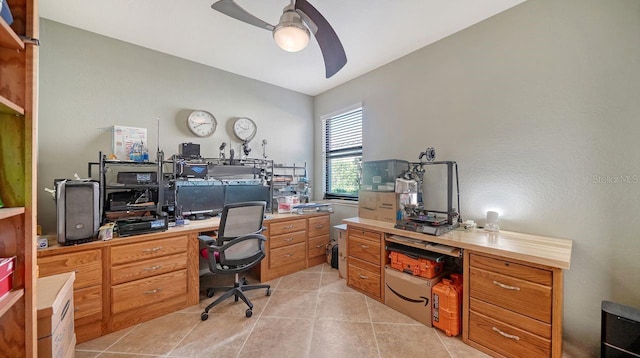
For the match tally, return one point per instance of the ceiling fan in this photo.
(291, 34)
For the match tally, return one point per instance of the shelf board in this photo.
(8, 38)
(6, 213)
(7, 301)
(8, 107)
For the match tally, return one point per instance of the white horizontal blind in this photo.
(343, 154)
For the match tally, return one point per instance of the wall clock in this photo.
(201, 123)
(244, 128)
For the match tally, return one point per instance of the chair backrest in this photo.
(240, 254)
(241, 219)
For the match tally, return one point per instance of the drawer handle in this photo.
(319, 246)
(151, 292)
(319, 226)
(152, 268)
(289, 239)
(363, 277)
(363, 246)
(506, 335)
(289, 227)
(155, 249)
(288, 255)
(506, 287)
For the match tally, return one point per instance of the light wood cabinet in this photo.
(294, 243)
(18, 148)
(513, 308)
(87, 288)
(365, 261)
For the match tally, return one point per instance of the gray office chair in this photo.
(238, 247)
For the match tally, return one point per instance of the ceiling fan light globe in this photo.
(291, 36)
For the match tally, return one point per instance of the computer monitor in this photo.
(242, 193)
(199, 197)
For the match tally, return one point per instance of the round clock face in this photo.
(202, 123)
(244, 128)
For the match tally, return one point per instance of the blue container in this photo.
(5, 12)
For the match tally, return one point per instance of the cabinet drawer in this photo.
(318, 246)
(543, 277)
(364, 280)
(86, 264)
(286, 255)
(287, 226)
(147, 268)
(146, 250)
(511, 318)
(364, 249)
(505, 339)
(319, 225)
(287, 239)
(87, 303)
(524, 297)
(365, 234)
(142, 293)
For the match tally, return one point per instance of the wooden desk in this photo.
(512, 300)
(125, 281)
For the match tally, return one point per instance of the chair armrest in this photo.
(207, 240)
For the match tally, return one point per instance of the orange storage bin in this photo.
(446, 300)
(417, 266)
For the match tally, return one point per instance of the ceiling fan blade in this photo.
(230, 8)
(330, 45)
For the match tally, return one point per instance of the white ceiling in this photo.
(373, 32)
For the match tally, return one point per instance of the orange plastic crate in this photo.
(446, 300)
(416, 266)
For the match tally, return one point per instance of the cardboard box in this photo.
(409, 294)
(375, 205)
(286, 203)
(55, 315)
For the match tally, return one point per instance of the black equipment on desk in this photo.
(186, 169)
(142, 225)
(77, 211)
(137, 177)
(189, 150)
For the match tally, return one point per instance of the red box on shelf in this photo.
(7, 265)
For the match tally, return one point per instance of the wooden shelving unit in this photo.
(18, 145)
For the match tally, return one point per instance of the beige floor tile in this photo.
(220, 336)
(300, 281)
(396, 340)
(317, 268)
(279, 337)
(457, 348)
(126, 355)
(342, 339)
(86, 354)
(293, 304)
(102, 343)
(382, 313)
(157, 336)
(342, 306)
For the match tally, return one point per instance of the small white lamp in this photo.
(492, 221)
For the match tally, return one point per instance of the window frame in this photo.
(339, 153)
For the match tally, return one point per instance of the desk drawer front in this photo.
(146, 250)
(504, 267)
(287, 255)
(365, 234)
(364, 280)
(87, 302)
(506, 340)
(142, 293)
(524, 297)
(318, 246)
(147, 268)
(86, 264)
(319, 225)
(287, 226)
(511, 318)
(364, 249)
(276, 241)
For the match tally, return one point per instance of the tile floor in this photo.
(311, 313)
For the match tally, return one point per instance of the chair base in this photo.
(238, 292)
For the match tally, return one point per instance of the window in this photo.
(342, 154)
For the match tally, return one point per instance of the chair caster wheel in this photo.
(268, 292)
(248, 313)
(244, 281)
(210, 293)
(204, 316)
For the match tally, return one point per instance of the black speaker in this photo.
(77, 211)
(620, 331)
(189, 150)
